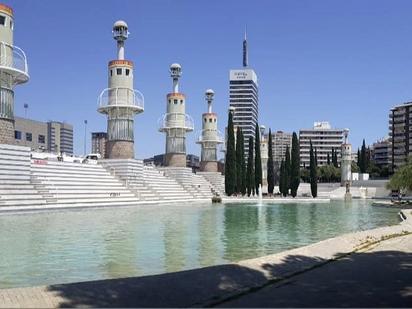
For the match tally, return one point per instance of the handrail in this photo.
(120, 96)
(175, 121)
(12, 59)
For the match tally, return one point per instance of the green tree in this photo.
(250, 169)
(328, 159)
(258, 160)
(358, 159)
(230, 160)
(316, 157)
(286, 185)
(362, 161)
(270, 167)
(295, 166)
(239, 158)
(402, 179)
(313, 175)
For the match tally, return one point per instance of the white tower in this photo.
(175, 122)
(264, 156)
(13, 71)
(120, 102)
(210, 137)
(346, 161)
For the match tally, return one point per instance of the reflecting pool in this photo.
(78, 245)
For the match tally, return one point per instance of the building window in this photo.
(181, 101)
(111, 72)
(127, 72)
(29, 137)
(175, 101)
(119, 71)
(17, 134)
(205, 120)
(42, 139)
(210, 119)
(215, 119)
(2, 20)
(11, 24)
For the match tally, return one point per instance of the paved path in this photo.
(380, 277)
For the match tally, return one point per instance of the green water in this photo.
(79, 245)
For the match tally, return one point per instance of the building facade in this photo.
(381, 153)
(243, 97)
(52, 136)
(400, 133)
(99, 140)
(324, 138)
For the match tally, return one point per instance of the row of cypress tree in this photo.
(290, 169)
(239, 177)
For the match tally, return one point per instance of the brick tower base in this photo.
(6, 131)
(119, 150)
(175, 159)
(208, 166)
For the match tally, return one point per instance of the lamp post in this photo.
(85, 136)
(26, 107)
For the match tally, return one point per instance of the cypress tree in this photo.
(239, 153)
(250, 169)
(313, 173)
(230, 160)
(316, 156)
(271, 169)
(244, 174)
(362, 162)
(295, 166)
(258, 160)
(336, 159)
(358, 158)
(328, 159)
(286, 185)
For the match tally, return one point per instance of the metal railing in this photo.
(121, 97)
(175, 121)
(13, 57)
(204, 136)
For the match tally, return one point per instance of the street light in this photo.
(85, 135)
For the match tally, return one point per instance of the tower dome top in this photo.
(119, 24)
(175, 70)
(6, 9)
(209, 92)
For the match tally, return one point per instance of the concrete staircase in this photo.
(216, 180)
(163, 186)
(196, 185)
(15, 186)
(65, 183)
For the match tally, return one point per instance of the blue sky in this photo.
(346, 61)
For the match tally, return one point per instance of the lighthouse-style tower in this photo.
(13, 71)
(210, 137)
(120, 102)
(346, 161)
(175, 122)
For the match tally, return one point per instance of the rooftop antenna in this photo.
(245, 56)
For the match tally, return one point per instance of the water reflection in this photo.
(68, 246)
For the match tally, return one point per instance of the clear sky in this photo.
(347, 62)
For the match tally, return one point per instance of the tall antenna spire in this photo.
(245, 58)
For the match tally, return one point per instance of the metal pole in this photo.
(84, 143)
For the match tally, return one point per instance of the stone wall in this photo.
(120, 150)
(208, 166)
(175, 159)
(6, 131)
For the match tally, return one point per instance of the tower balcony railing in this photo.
(210, 136)
(121, 97)
(175, 121)
(14, 60)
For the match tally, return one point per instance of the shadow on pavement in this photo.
(375, 279)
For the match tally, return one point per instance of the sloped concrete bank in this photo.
(202, 287)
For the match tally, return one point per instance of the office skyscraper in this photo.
(243, 97)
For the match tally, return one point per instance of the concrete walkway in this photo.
(368, 268)
(379, 277)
